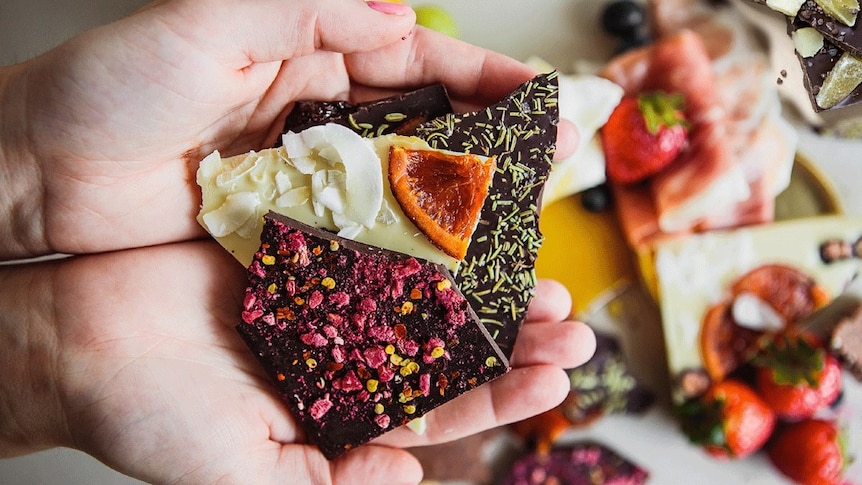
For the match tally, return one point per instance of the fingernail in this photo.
(390, 7)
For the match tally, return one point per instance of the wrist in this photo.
(21, 200)
(31, 414)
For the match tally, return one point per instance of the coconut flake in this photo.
(294, 197)
(236, 210)
(282, 182)
(243, 167)
(749, 311)
(294, 144)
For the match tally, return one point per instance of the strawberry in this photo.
(811, 452)
(730, 420)
(644, 134)
(796, 377)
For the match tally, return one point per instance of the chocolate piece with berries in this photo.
(359, 340)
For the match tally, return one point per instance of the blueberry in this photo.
(596, 199)
(624, 18)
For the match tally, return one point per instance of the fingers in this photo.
(568, 139)
(470, 73)
(565, 344)
(373, 465)
(274, 30)
(520, 394)
(551, 303)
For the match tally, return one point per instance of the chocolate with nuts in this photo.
(359, 340)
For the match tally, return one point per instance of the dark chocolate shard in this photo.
(604, 385)
(359, 340)
(817, 67)
(585, 463)
(398, 114)
(848, 38)
(498, 274)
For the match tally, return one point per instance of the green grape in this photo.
(436, 18)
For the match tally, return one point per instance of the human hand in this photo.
(161, 387)
(101, 135)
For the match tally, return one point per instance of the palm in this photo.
(161, 387)
(136, 123)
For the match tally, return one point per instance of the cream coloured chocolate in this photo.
(327, 177)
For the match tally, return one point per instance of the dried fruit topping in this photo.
(724, 345)
(810, 452)
(729, 420)
(844, 11)
(790, 292)
(442, 193)
(796, 377)
(844, 77)
(644, 134)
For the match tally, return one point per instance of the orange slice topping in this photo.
(442, 193)
(724, 345)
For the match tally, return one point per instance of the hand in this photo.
(161, 387)
(103, 134)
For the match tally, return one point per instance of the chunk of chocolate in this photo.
(359, 340)
(604, 385)
(398, 114)
(846, 37)
(498, 273)
(584, 463)
(817, 67)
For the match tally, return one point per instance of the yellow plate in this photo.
(587, 253)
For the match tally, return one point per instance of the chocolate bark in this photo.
(498, 274)
(848, 38)
(359, 340)
(815, 69)
(398, 114)
(580, 464)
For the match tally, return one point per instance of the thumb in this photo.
(275, 30)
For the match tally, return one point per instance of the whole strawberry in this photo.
(796, 377)
(730, 420)
(644, 134)
(810, 452)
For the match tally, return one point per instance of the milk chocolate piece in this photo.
(584, 463)
(498, 273)
(359, 340)
(398, 114)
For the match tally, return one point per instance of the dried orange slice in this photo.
(441, 192)
(724, 345)
(791, 292)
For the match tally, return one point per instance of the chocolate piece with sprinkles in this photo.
(498, 273)
(359, 340)
(398, 114)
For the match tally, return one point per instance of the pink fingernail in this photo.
(389, 7)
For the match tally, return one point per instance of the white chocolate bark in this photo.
(326, 176)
